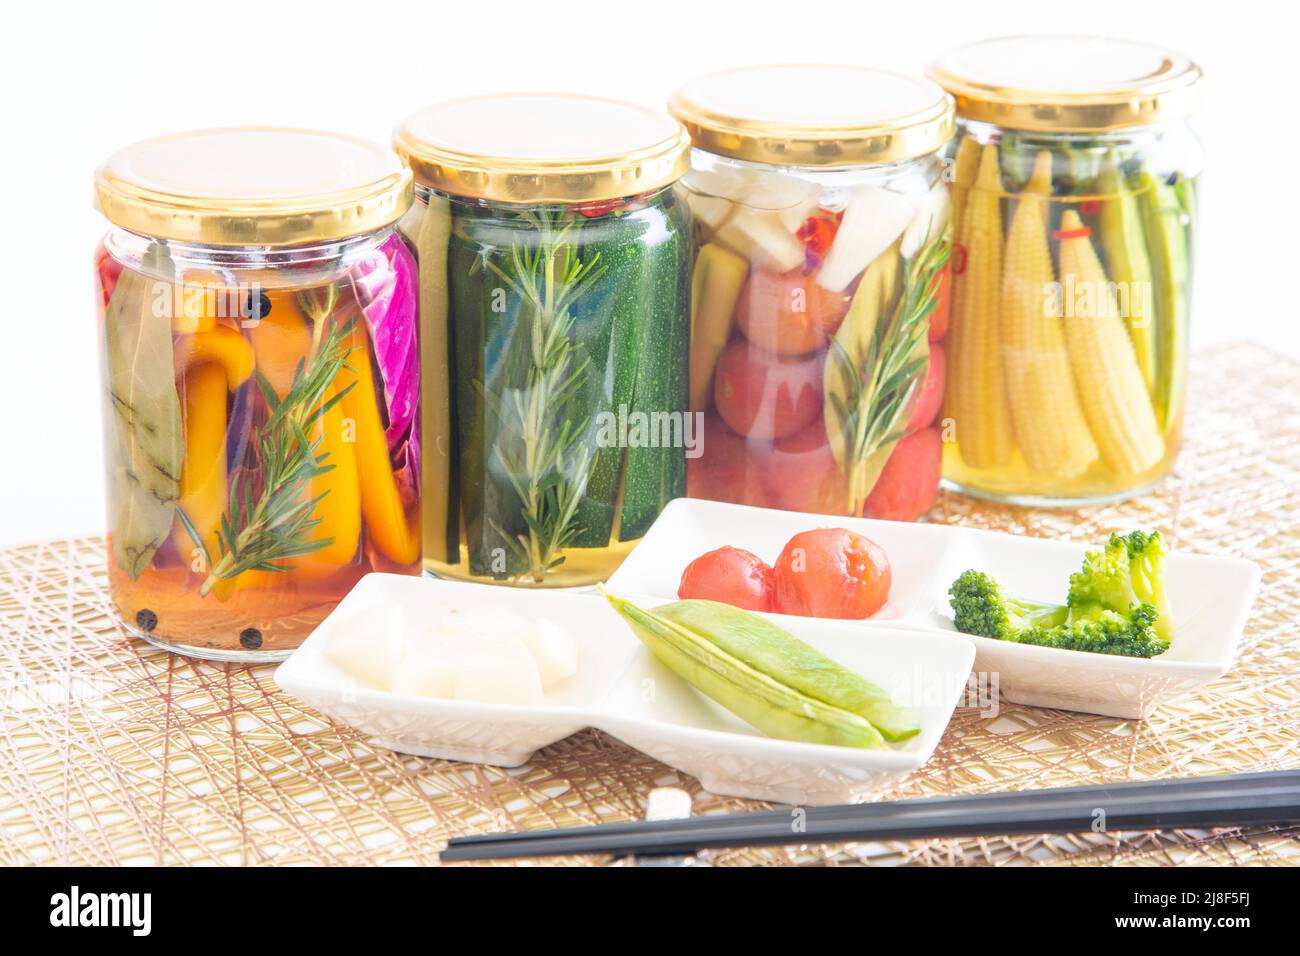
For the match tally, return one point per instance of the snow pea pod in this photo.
(766, 676)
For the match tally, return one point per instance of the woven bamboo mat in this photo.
(111, 752)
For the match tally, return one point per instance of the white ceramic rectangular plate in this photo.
(1210, 597)
(622, 690)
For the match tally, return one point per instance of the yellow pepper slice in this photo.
(339, 510)
(210, 365)
(281, 339)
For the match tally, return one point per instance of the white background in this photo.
(81, 81)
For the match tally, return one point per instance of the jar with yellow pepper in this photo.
(1075, 186)
(258, 334)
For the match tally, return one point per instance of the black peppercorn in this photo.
(250, 638)
(146, 620)
(256, 310)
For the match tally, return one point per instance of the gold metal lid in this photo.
(1068, 83)
(542, 148)
(253, 186)
(809, 115)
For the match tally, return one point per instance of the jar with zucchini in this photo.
(1074, 231)
(260, 393)
(819, 302)
(554, 266)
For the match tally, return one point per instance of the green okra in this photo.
(1165, 221)
(1127, 263)
(766, 676)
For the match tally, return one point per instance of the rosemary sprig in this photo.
(538, 445)
(880, 384)
(262, 530)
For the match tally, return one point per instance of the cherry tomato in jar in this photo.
(730, 575)
(763, 395)
(928, 401)
(804, 475)
(832, 572)
(909, 482)
(788, 312)
(727, 468)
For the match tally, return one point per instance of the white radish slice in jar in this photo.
(554, 650)
(930, 220)
(873, 219)
(762, 236)
(368, 645)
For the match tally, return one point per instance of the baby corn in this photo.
(1110, 384)
(964, 167)
(1050, 427)
(980, 411)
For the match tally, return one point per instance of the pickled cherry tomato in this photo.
(804, 474)
(730, 575)
(764, 395)
(727, 468)
(929, 399)
(788, 312)
(832, 572)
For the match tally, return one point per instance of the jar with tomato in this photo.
(819, 291)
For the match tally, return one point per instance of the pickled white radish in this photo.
(491, 655)
(495, 670)
(554, 650)
(873, 219)
(369, 645)
(930, 220)
(428, 668)
(713, 211)
(762, 236)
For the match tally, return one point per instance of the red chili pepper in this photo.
(958, 258)
(593, 210)
(109, 269)
(1090, 207)
(817, 234)
(1080, 233)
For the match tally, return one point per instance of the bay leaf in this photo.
(144, 440)
(851, 368)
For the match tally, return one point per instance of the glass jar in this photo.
(261, 374)
(554, 262)
(1075, 195)
(819, 289)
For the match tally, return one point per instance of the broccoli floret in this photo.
(1105, 632)
(982, 608)
(1105, 581)
(1116, 604)
(1146, 558)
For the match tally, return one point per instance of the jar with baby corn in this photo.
(261, 375)
(1075, 185)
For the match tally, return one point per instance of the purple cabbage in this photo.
(385, 287)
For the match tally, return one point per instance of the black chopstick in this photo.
(1197, 802)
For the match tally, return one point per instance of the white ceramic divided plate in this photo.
(622, 690)
(1210, 597)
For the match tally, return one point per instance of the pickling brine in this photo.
(261, 429)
